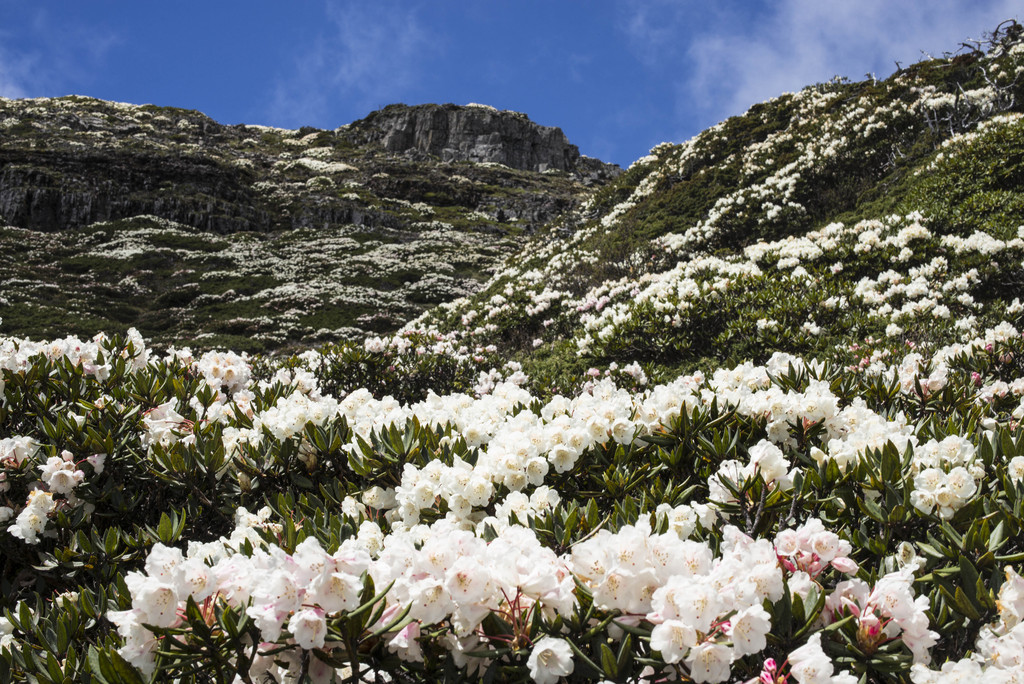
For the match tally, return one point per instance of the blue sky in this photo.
(618, 76)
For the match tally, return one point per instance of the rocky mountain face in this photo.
(115, 205)
(476, 133)
(73, 161)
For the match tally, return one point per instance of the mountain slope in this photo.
(257, 238)
(880, 209)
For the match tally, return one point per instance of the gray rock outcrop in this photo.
(475, 133)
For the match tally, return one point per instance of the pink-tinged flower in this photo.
(787, 543)
(825, 545)
(845, 565)
(273, 599)
(468, 580)
(309, 627)
(430, 600)
(31, 522)
(337, 591)
(16, 449)
(60, 475)
(405, 643)
(550, 660)
(97, 461)
(870, 632)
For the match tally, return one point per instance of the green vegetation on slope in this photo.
(877, 209)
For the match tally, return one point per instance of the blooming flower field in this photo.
(722, 424)
(201, 517)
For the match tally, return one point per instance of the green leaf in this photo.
(165, 530)
(96, 666)
(592, 514)
(960, 602)
(110, 540)
(88, 605)
(968, 572)
(871, 509)
(625, 653)
(609, 665)
(583, 657)
(53, 668)
(125, 672)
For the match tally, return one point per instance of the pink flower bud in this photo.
(845, 565)
(768, 671)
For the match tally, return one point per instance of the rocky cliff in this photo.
(117, 207)
(70, 162)
(476, 133)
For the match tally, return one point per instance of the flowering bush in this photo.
(797, 519)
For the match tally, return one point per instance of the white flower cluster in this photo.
(666, 296)
(772, 199)
(438, 574)
(935, 489)
(707, 611)
(16, 354)
(706, 608)
(317, 166)
(31, 521)
(766, 460)
(930, 289)
(58, 474)
(810, 549)
(61, 474)
(886, 611)
(225, 371)
(15, 450)
(999, 652)
(809, 664)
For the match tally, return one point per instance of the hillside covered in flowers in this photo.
(750, 413)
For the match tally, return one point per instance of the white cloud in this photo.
(368, 55)
(801, 42)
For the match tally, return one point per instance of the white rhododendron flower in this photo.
(16, 449)
(673, 639)
(309, 627)
(811, 548)
(749, 629)
(550, 660)
(6, 630)
(809, 664)
(709, 662)
(60, 474)
(31, 521)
